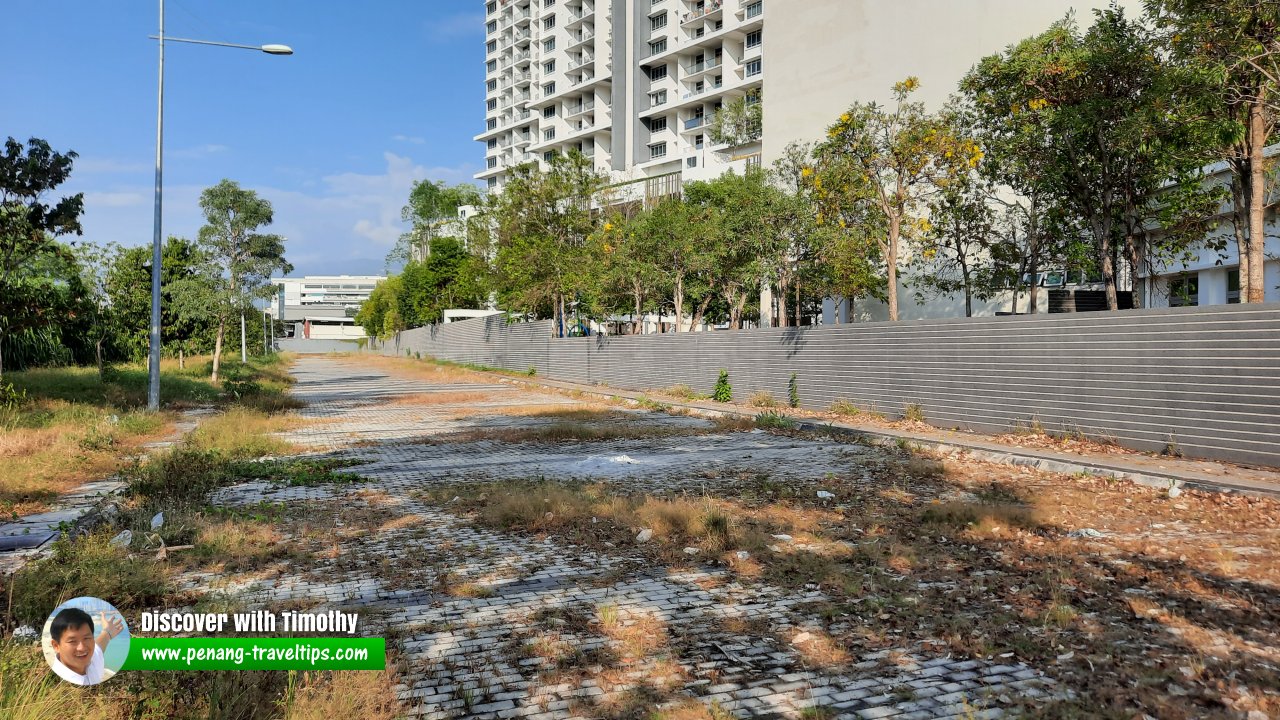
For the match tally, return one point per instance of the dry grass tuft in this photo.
(763, 399)
(346, 694)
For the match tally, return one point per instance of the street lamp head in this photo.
(277, 49)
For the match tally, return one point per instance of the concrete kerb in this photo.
(880, 438)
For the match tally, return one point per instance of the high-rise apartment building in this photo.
(632, 84)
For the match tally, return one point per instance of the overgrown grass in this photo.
(73, 427)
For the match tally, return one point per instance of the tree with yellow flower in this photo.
(890, 160)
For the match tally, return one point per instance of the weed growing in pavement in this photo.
(793, 391)
(763, 399)
(774, 420)
(844, 407)
(913, 412)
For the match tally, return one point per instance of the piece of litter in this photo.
(743, 554)
(784, 538)
(26, 633)
(824, 495)
(622, 459)
(1085, 533)
(1066, 656)
(801, 638)
(122, 540)
(1174, 491)
(645, 535)
(157, 521)
(691, 551)
(455, 499)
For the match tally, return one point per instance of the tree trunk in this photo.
(3, 335)
(783, 320)
(1257, 204)
(1131, 255)
(677, 301)
(1033, 245)
(1240, 222)
(182, 360)
(97, 347)
(738, 306)
(1109, 272)
(799, 317)
(968, 287)
(217, 348)
(696, 323)
(891, 261)
(637, 320)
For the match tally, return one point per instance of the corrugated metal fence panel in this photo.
(1207, 379)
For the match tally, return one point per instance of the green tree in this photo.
(128, 287)
(432, 205)
(681, 238)
(1104, 122)
(30, 224)
(543, 222)
(739, 123)
(239, 260)
(1236, 43)
(631, 277)
(893, 160)
(956, 250)
(449, 277)
(380, 314)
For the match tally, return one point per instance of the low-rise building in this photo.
(322, 307)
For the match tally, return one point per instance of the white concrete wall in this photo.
(823, 55)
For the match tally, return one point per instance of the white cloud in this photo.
(344, 222)
(409, 139)
(197, 151)
(456, 26)
(114, 199)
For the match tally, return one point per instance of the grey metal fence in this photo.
(1206, 380)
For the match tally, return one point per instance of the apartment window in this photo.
(753, 67)
(492, 162)
(754, 9)
(549, 134)
(657, 150)
(549, 67)
(549, 44)
(658, 46)
(492, 104)
(657, 124)
(491, 85)
(753, 39)
(1233, 286)
(548, 3)
(691, 162)
(549, 155)
(1184, 290)
(491, 123)
(549, 112)
(491, 27)
(549, 89)
(657, 22)
(658, 73)
(491, 8)
(548, 22)
(493, 183)
(491, 66)
(658, 98)
(491, 46)
(699, 141)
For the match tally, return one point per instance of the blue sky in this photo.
(377, 95)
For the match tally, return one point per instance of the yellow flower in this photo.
(806, 172)
(845, 118)
(608, 227)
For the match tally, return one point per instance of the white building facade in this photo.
(631, 84)
(322, 307)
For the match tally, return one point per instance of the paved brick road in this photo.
(712, 639)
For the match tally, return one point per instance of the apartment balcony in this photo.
(751, 12)
(522, 34)
(522, 17)
(713, 10)
(580, 38)
(582, 62)
(575, 110)
(524, 141)
(522, 56)
(695, 123)
(579, 16)
(697, 68)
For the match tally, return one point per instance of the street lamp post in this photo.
(153, 366)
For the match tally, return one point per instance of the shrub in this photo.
(793, 392)
(89, 566)
(682, 391)
(532, 371)
(763, 399)
(723, 392)
(11, 398)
